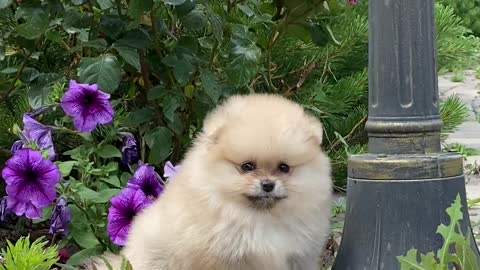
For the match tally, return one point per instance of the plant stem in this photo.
(271, 43)
(5, 95)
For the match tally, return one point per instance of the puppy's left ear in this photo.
(315, 129)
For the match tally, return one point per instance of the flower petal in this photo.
(124, 206)
(84, 123)
(33, 212)
(102, 111)
(147, 180)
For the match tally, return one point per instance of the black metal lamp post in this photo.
(398, 192)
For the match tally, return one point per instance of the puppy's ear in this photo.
(315, 129)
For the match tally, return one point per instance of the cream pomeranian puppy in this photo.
(253, 193)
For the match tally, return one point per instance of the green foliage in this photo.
(458, 76)
(23, 255)
(469, 11)
(452, 112)
(456, 48)
(462, 257)
(461, 149)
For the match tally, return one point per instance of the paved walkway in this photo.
(468, 133)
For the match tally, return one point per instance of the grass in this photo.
(458, 76)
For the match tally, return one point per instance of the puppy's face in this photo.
(261, 160)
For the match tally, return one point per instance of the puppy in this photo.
(253, 193)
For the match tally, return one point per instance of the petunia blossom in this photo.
(31, 181)
(147, 180)
(124, 207)
(87, 105)
(60, 217)
(129, 149)
(352, 2)
(41, 135)
(169, 169)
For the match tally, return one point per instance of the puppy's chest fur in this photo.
(258, 244)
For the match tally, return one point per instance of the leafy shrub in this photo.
(23, 255)
(469, 11)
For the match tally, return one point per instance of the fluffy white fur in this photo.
(203, 220)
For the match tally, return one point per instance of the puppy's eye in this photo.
(284, 168)
(248, 167)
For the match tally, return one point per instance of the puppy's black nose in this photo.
(268, 185)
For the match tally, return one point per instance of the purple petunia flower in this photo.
(147, 180)
(87, 105)
(16, 146)
(169, 169)
(124, 207)
(60, 217)
(3, 209)
(41, 135)
(352, 2)
(31, 181)
(129, 149)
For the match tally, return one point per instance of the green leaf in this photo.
(73, 20)
(211, 85)
(156, 92)
(85, 238)
(185, 8)
(103, 70)
(130, 56)
(36, 21)
(244, 57)
(159, 140)
(301, 31)
(139, 116)
(320, 35)
(169, 105)
(5, 3)
(195, 20)
(136, 38)
(66, 167)
(106, 194)
(466, 256)
(105, 4)
(40, 89)
(108, 151)
(216, 23)
(244, 64)
(112, 180)
(29, 74)
(174, 2)
(99, 43)
(182, 70)
(137, 8)
(112, 26)
(87, 194)
(409, 261)
(79, 257)
(448, 232)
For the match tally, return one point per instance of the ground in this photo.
(468, 134)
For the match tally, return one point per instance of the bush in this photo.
(469, 11)
(162, 65)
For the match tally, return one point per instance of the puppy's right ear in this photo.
(316, 129)
(213, 125)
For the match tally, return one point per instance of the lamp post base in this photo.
(385, 219)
